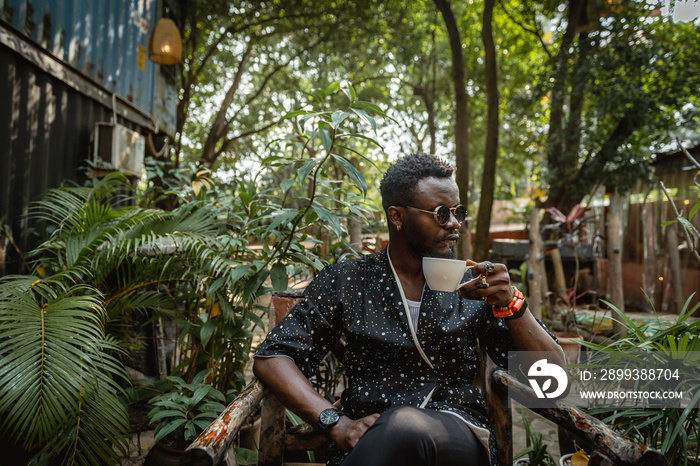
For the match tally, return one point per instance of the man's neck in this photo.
(409, 269)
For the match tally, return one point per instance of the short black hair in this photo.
(398, 186)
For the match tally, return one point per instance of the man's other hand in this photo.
(346, 433)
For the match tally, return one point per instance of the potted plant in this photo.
(535, 452)
(580, 458)
(181, 414)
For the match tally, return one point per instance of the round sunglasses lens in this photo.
(443, 215)
(460, 213)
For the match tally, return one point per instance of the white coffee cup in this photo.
(443, 274)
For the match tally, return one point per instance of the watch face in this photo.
(328, 417)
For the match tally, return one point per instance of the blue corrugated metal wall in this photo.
(47, 119)
(106, 40)
(46, 130)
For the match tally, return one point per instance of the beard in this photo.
(421, 245)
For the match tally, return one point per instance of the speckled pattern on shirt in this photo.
(360, 301)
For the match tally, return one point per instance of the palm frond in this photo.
(53, 355)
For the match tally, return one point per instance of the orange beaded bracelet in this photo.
(514, 309)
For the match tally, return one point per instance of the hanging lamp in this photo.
(165, 46)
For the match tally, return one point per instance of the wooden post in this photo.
(466, 243)
(545, 287)
(355, 233)
(614, 246)
(498, 411)
(273, 415)
(534, 278)
(675, 263)
(559, 278)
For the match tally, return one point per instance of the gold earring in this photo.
(398, 227)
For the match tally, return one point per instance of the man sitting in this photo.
(411, 352)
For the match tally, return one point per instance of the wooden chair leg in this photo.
(499, 414)
(272, 421)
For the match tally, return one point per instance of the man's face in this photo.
(425, 237)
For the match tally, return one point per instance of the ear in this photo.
(395, 216)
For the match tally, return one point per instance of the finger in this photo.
(485, 268)
(469, 287)
(370, 420)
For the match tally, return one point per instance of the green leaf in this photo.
(332, 88)
(350, 92)
(256, 319)
(366, 118)
(305, 169)
(329, 219)
(282, 218)
(326, 140)
(199, 395)
(369, 106)
(168, 428)
(207, 330)
(217, 284)
(338, 117)
(353, 173)
(694, 210)
(296, 113)
(167, 413)
(286, 184)
(361, 136)
(278, 276)
(318, 95)
(246, 457)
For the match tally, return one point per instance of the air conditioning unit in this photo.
(120, 146)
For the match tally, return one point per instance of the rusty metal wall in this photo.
(106, 41)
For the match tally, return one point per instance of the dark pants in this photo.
(405, 436)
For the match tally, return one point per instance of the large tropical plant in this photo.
(102, 264)
(57, 372)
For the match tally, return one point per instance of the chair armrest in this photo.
(216, 439)
(617, 448)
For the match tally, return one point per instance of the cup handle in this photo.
(465, 271)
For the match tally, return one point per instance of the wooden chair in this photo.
(215, 445)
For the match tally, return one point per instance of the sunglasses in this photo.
(441, 214)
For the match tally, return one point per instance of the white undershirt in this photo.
(413, 309)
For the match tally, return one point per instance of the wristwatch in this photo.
(328, 418)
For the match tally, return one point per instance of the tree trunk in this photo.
(534, 279)
(555, 137)
(579, 81)
(461, 102)
(429, 101)
(674, 259)
(614, 246)
(488, 176)
(355, 233)
(220, 126)
(560, 288)
(587, 176)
